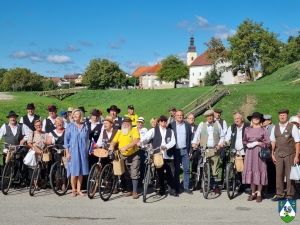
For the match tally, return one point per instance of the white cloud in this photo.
(59, 59)
(18, 54)
(202, 22)
(71, 48)
(85, 43)
(34, 59)
(290, 31)
(225, 34)
(114, 46)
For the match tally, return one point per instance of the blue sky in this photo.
(58, 37)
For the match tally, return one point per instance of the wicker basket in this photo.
(8, 155)
(239, 163)
(47, 156)
(118, 165)
(158, 160)
(101, 152)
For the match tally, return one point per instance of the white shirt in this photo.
(295, 133)
(100, 139)
(150, 135)
(224, 125)
(239, 138)
(29, 117)
(210, 130)
(142, 132)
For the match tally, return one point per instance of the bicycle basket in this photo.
(47, 156)
(158, 160)
(239, 163)
(8, 156)
(101, 152)
(118, 164)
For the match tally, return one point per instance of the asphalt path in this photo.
(45, 207)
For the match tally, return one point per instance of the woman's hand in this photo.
(273, 159)
(296, 160)
(68, 156)
(38, 151)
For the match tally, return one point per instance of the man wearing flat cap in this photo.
(29, 119)
(211, 138)
(163, 137)
(285, 153)
(113, 112)
(297, 116)
(127, 138)
(133, 116)
(172, 111)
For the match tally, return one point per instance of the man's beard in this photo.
(125, 130)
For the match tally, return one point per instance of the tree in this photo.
(291, 50)
(212, 78)
(2, 72)
(253, 46)
(216, 52)
(101, 73)
(21, 79)
(49, 85)
(172, 69)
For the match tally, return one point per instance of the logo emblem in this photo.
(287, 210)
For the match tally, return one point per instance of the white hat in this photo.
(295, 119)
(141, 119)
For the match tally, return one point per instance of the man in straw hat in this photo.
(113, 112)
(164, 138)
(285, 153)
(29, 119)
(211, 138)
(127, 138)
(69, 117)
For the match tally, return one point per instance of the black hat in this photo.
(51, 107)
(81, 108)
(172, 109)
(114, 107)
(95, 112)
(162, 118)
(283, 111)
(12, 113)
(30, 106)
(256, 114)
(130, 107)
(127, 119)
(218, 110)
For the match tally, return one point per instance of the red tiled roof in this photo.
(154, 68)
(138, 72)
(56, 80)
(201, 60)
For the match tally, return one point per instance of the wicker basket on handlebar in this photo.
(158, 160)
(101, 152)
(8, 155)
(239, 162)
(118, 164)
(47, 156)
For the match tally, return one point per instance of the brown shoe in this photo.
(216, 190)
(201, 191)
(128, 193)
(258, 199)
(251, 197)
(116, 191)
(135, 195)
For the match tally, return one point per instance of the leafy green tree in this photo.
(49, 85)
(2, 72)
(216, 51)
(291, 51)
(101, 73)
(173, 69)
(212, 78)
(21, 79)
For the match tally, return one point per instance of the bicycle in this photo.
(12, 170)
(233, 183)
(196, 176)
(150, 175)
(35, 181)
(58, 174)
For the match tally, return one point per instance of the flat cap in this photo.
(127, 119)
(209, 112)
(172, 109)
(283, 111)
(267, 117)
(218, 110)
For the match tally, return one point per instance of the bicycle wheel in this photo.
(206, 180)
(230, 180)
(107, 182)
(93, 180)
(146, 181)
(7, 175)
(297, 186)
(58, 178)
(34, 181)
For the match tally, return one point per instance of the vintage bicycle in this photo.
(13, 169)
(58, 173)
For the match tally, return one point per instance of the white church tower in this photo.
(192, 53)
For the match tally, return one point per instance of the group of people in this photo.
(177, 139)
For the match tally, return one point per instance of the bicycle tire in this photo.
(93, 180)
(58, 173)
(230, 180)
(297, 186)
(7, 175)
(107, 182)
(35, 176)
(206, 180)
(146, 181)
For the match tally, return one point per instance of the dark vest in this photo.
(95, 133)
(118, 123)
(106, 141)
(221, 121)
(194, 131)
(29, 124)
(9, 136)
(59, 141)
(285, 143)
(157, 139)
(234, 131)
(49, 126)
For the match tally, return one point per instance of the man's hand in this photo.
(124, 149)
(163, 148)
(273, 159)
(139, 144)
(22, 142)
(217, 147)
(296, 160)
(194, 146)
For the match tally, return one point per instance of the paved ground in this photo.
(47, 208)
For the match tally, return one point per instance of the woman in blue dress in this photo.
(76, 144)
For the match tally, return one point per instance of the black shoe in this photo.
(276, 199)
(174, 193)
(162, 192)
(188, 191)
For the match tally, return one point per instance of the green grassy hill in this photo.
(266, 95)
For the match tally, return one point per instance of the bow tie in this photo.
(210, 124)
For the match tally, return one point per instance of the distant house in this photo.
(56, 80)
(71, 77)
(147, 76)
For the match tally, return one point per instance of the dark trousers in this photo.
(170, 171)
(182, 156)
(271, 170)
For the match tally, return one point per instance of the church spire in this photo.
(192, 47)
